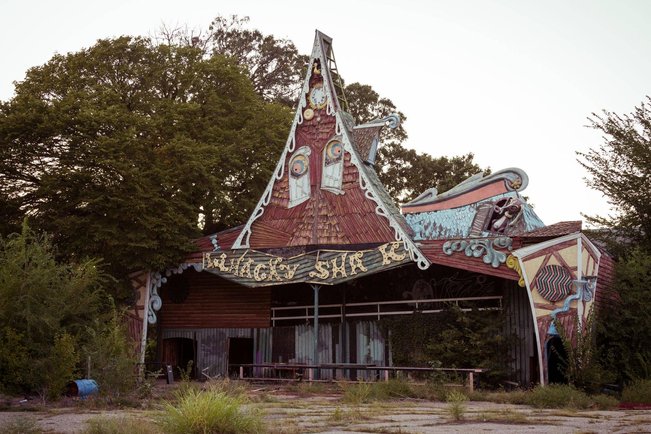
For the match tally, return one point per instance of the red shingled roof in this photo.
(556, 230)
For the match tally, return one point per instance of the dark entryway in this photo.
(180, 353)
(240, 351)
(556, 361)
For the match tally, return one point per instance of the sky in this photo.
(512, 81)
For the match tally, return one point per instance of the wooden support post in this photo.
(310, 374)
(386, 375)
(316, 327)
(241, 372)
(471, 382)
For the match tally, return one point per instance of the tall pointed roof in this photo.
(324, 191)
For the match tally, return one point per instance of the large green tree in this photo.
(620, 168)
(120, 149)
(273, 65)
(277, 71)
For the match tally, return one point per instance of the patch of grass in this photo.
(558, 396)
(344, 416)
(358, 393)
(210, 411)
(638, 392)
(307, 388)
(122, 425)
(507, 416)
(21, 425)
(605, 402)
(456, 405)
(229, 387)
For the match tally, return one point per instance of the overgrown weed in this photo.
(122, 425)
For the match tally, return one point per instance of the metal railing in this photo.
(309, 372)
(378, 309)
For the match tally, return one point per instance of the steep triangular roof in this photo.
(323, 192)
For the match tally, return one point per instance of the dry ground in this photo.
(325, 413)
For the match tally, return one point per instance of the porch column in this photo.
(315, 359)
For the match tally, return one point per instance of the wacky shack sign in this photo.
(325, 267)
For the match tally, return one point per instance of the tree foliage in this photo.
(454, 339)
(620, 168)
(44, 311)
(118, 150)
(624, 326)
(407, 173)
(274, 66)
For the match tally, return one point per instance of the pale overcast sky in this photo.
(512, 81)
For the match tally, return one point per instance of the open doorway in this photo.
(240, 351)
(178, 353)
(556, 361)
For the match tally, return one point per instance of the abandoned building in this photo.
(326, 255)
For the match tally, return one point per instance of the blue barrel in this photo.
(82, 388)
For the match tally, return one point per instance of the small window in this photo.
(333, 167)
(299, 177)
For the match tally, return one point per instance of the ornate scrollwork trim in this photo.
(486, 248)
(514, 264)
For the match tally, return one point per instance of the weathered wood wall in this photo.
(212, 302)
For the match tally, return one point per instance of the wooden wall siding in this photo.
(213, 302)
(433, 250)
(293, 344)
(212, 347)
(606, 291)
(519, 323)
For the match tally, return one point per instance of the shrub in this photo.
(358, 393)
(60, 366)
(605, 402)
(456, 404)
(638, 392)
(112, 356)
(203, 412)
(559, 396)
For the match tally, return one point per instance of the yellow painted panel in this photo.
(553, 261)
(569, 255)
(532, 266)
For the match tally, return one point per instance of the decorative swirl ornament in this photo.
(485, 248)
(514, 264)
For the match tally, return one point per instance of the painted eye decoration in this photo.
(333, 152)
(298, 166)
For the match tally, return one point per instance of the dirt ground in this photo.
(288, 413)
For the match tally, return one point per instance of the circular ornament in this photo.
(554, 283)
(317, 97)
(308, 114)
(298, 165)
(334, 151)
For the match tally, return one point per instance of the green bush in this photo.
(112, 356)
(46, 308)
(559, 396)
(60, 365)
(604, 402)
(456, 405)
(203, 412)
(638, 392)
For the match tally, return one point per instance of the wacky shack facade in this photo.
(326, 255)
